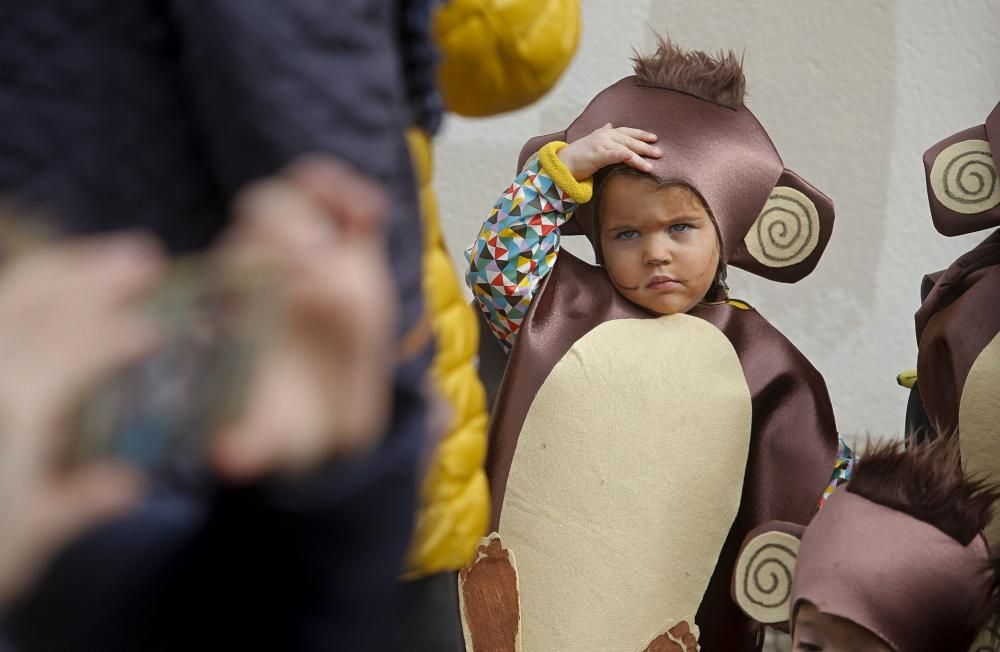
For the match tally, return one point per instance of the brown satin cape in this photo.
(958, 318)
(793, 442)
(960, 313)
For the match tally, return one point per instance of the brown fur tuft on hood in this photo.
(717, 79)
(927, 482)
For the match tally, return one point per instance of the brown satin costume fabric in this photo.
(901, 578)
(960, 313)
(725, 155)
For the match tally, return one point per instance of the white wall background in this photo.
(852, 93)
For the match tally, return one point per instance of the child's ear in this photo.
(790, 234)
(530, 148)
(962, 184)
(762, 579)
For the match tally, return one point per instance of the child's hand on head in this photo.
(608, 146)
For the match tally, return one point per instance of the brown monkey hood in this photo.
(898, 551)
(772, 222)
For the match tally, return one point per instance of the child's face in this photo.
(815, 631)
(660, 246)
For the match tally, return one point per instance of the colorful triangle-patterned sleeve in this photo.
(516, 248)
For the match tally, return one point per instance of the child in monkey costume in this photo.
(895, 561)
(645, 422)
(958, 323)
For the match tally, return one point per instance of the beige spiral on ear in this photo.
(762, 580)
(964, 177)
(786, 231)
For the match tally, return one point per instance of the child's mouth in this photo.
(662, 283)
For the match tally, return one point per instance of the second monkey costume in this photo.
(958, 323)
(630, 453)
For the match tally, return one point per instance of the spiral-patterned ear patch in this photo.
(964, 177)
(786, 231)
(762, 581)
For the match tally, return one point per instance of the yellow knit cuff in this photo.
(552, 165)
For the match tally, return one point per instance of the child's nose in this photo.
(658, 251)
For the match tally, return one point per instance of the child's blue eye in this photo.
(680, 228)
(630, 234)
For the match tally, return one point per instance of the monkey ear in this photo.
(762, 579)
(962, 184)
(789, 236)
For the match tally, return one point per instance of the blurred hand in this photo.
(608, 146)
(323, 388)
(68, 319)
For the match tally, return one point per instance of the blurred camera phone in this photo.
(167, 407)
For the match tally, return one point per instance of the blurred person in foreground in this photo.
(319, 391)
(92, 284)
(154, 114)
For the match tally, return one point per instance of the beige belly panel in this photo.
(625, 482)
(979, 423)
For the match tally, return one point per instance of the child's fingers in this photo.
(637, 146)
(638, 134)
(637, 162)
(618, 153)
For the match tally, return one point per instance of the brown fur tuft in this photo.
(927, 482)
(717, 79)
